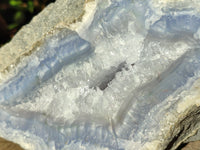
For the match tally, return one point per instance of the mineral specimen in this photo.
(124, 75)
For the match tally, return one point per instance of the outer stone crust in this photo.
(65, 11)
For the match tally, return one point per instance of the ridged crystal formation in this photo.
(126, 79)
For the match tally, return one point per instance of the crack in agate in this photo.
(107, 85)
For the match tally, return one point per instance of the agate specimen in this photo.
(112, 74)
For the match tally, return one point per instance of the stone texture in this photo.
(127, 77)
(7, 145)
(31, 35)
(192, 146)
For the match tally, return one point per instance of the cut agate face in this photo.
(124, 77)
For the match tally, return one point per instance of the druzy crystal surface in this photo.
(125, 79)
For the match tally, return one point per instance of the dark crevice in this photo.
(186, 124)
(170, 145)
(109, 77)
(181, 146)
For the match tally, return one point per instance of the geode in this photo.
(106, 74)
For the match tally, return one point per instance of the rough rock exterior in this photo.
(31, 35)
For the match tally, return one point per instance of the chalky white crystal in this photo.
(125, 78)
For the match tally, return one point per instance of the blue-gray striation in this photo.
(56, 52)
(126, 78)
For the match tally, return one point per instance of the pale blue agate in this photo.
(62, 49)
(67, 47)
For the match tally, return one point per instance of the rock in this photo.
(192, 146)
(7, 145)
(125, 76)
(31, 35)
